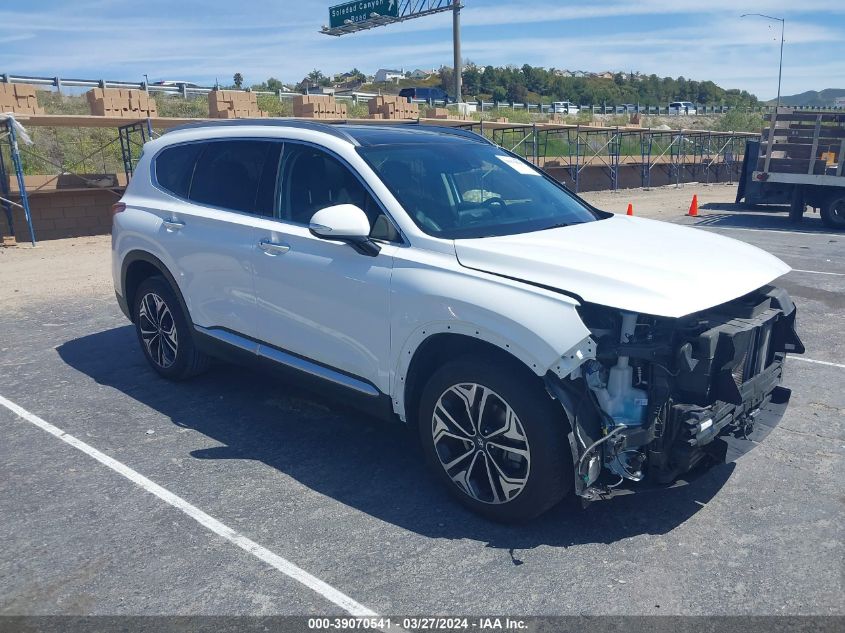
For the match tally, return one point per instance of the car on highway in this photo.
(682, 107)
(563, 107)
(175, 83)
(538, 346)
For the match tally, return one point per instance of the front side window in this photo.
(465, 189)
(312, 179)
(237, 175)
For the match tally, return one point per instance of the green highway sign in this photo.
(361, 11)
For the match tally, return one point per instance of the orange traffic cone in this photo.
(630, 210)
(693, 208)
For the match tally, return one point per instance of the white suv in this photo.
(563, 107)
(540, 346)
(682, 107)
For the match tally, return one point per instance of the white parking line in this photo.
(233, 536)
(817, 272)
(817, 362)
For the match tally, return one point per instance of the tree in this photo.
(238, 79)
(356, 75)
(316, 76)
(517, 92)
(518, 83)
(499, 94)
(447, 79)
(272, 84)
(471, 79)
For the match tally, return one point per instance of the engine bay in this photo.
(663, 395)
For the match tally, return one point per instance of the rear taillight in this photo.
(117, 207)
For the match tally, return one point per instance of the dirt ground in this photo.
(55, 268)
(663, 203)
(81, 266)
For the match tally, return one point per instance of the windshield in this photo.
(465, 190)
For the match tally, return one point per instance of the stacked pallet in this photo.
(437, 113)
(124, 103)
(233, 104)
(318, 107)
(391, 107)
(443, 113)
(19, 98)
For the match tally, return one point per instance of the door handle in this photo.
(172, 225)
(273, 248)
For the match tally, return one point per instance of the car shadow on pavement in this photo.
(362, 462)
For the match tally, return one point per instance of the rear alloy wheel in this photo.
(164, 333)
(495, 439)
(833, 211)
(158, 330)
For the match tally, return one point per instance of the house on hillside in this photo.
(421, 74)
(350, 85)
(347, 81)
(563, 73)
(606, 74)
(383, 75)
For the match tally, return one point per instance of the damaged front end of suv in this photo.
(654, 400)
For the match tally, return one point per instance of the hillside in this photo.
(534, 83)
(811, 98)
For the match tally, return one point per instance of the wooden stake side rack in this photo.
(803, 147)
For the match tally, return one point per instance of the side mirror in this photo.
(345, 223)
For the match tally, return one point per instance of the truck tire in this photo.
(493, 436)
(833, 211)
(796, 209)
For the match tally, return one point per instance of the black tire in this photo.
(833, 211)
(174, 362)
(547, 466)
(797, 206)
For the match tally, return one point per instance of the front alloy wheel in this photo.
(494, 437)
(481, 443)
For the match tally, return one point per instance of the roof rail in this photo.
(456, 131)
(334, 130)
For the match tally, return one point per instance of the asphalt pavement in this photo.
(346, 498)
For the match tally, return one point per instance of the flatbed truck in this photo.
(798, 161)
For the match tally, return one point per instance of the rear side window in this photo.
(229, 175)
(174, 168)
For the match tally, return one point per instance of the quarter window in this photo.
(237, 175)
(174, 167)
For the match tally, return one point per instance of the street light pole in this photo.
(782, 25)
(456, 45)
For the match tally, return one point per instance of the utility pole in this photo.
(782, 25)
(456, 45)
(780, 66)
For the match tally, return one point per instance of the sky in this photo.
(203, 41)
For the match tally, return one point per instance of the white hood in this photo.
(629, 263)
